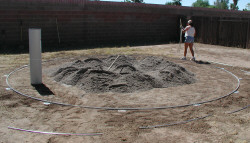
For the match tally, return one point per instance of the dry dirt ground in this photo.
(123, 126)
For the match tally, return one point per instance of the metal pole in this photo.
(58, 35)
(180, 36)
(35, 50)
(247, 41)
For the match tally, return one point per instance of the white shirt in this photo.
(190, 31)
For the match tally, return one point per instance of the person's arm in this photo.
(186, 29)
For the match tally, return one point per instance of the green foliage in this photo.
(134, 1)
(248, 6)
(137, 1)
(201, 3)
(175, 2)
(221, 4)
(233, 7)
(169, 3)
(211, 6)
(235, 2)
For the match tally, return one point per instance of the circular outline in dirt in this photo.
(113, 108)
(56, 133)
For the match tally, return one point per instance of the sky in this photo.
(241, 3)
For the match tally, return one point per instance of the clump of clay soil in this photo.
(127, 74)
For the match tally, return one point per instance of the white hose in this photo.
(121, 108)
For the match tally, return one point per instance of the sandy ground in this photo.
(123, 126)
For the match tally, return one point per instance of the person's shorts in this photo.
(189, 39)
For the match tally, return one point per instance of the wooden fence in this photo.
(82, 23)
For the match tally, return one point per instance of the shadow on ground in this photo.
(202, 62)
(43, 90)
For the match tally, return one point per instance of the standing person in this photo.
(189, 31)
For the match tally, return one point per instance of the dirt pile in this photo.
(127, 74)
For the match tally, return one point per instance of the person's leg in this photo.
(191, 49)
(185, 50)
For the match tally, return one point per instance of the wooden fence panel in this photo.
(82, 22)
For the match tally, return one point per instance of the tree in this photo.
(201, 3)
(137, 1)
(235, 2)
(134, 1)
(211, 6)
(221, 4)
(248, 6)
(175, 2)
(234, 6)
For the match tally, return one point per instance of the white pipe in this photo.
(113, 62)
(35, 50)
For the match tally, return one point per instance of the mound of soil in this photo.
(127, 74)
